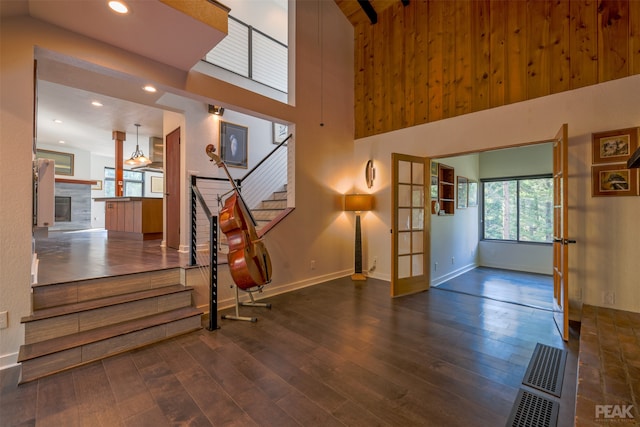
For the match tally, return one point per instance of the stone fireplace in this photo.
(72, 205)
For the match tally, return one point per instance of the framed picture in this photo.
(463, 190)
(434, 169)
(614, 146)
(434, 187)
(97, 185)
(233, 144)
(472, 196)
(614, 180)
(157, 185)
(280, 133)
(64, 161)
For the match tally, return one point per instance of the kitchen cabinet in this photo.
(139, 218)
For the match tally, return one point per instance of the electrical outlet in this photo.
(313, 264)
(609, 297)
(375, 261)
(435, 266)
(453, 260)
(4, 320)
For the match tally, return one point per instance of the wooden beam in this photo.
(369, 10)
(119, 137)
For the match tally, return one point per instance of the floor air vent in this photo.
(532, 410)
(546, 369)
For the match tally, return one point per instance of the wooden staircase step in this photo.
(62, 310)
(272, 204)
(265, 214)
(47, 357)
(49, 295)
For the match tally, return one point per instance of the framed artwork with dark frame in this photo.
(63, 161)
(614, 146)
(614, 180)
(472, 196)
(463, 191)
(234, 144)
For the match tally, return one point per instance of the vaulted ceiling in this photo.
(355, 12)
(428, 60)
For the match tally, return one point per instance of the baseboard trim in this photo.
(8, 360)
(440, 280)
(512, 267)
(270, 291)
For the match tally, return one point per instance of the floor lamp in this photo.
(358, 203)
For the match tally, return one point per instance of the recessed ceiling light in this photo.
(57, 121)
(61, 142)
(149, 88)
(118, 6)
(96, 103)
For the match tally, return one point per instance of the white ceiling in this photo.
(65, 91)
(87, 127)
(148, 25)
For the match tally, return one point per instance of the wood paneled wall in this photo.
(437, 59)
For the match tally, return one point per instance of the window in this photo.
(518, 209)
(133, 183)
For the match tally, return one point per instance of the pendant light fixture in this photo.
(137, 157)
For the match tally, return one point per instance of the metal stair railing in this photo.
(208, 191)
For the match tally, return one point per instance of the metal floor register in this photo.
(545, 373)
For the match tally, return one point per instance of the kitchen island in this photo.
(138, 218)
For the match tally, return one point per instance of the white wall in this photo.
(513, 162)
(606, 228)
(198, 129)
(454, 239)
(269, 17)
(81, 161)
(317, 230)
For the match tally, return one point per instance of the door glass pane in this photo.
(417, 219)
(416, 241)
(404, 195)
(404, 219)
(418, 173)
(417, 195)
(404, 268)
(404, 171)
(417, 262)
(404, 243)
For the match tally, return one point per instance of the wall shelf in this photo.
(446, 189)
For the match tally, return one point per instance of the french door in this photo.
(411, 224)
(560, 234)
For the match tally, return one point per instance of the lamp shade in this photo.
(358, 202)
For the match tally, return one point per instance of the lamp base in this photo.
(358, 276)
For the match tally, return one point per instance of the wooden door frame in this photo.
(561, 233)
(412, 285)
(173, 199)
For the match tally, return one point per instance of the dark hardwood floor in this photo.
(518, 287)
(337, 353)
(87, 254)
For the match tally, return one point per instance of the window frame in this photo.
(519, 178)
(125, 181)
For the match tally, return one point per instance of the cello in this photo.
(249, 261)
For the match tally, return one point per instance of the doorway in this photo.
(172, 192)
(507, 264)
